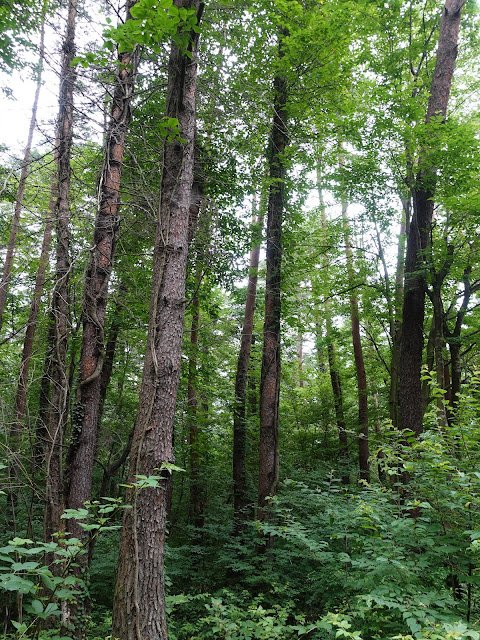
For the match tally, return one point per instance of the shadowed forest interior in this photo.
(239, 320)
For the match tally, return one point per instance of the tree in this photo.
(139, 608)
(418, 240)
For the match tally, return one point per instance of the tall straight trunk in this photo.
(21, 397)
(335, 379)
(139, 604)
(410, 390)
(81, 454)
(7, 266)
(363, 448)
(397, 334)
(453, 339)
(60, 298)
(240, 496)
(270, 377)
(196, 486)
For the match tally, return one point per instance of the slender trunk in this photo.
(240, 496)
(300, 359)
(139, 605)
(82, 450)
(453, 339)
(335, 379)
(60, 298)
(270, 378)
(363, 448)
(7, 266)
(21, 397)
(397, 334)
(410, 390)
(110, 350)
(196, 487)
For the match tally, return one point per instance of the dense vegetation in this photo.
(239, 350)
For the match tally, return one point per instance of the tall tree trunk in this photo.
(81, 454)
(270, 377)
(7, 266)
(60, 298)
(139, 605)
(397, 334)
(240, 497)
(410, 390)
(363, 447)
(196, 487)
(21, 397)
(335, 379)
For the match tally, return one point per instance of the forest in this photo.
(240, 320)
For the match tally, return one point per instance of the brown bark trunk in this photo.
(270, 377)
(240, 496)
(7, 266)
(410, 390)
(60, 298)
(363, 448)
(81, 454)
(139, 605)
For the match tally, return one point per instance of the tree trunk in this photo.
(139, 605)
(7, 266)
(410, 390)
(81, 454)
(363, 448)
(335, 379)
(196, 486)
(240, 497)
(270, 377)
(21, 397)
(60, 297)
(397, 334)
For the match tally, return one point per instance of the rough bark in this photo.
(7, 266)
(240, 494)
(139, 605)
(60, 298)
(82, 450)
(410, 390)
(270, 377)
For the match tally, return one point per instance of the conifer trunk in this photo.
(270, 377)
(410, 389)
(139, 605)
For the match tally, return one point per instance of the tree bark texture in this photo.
(60, 298)
(410, 389)
(81, 454)
(270, 377)
(240, 494)
(7, 266)
(139, 605)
